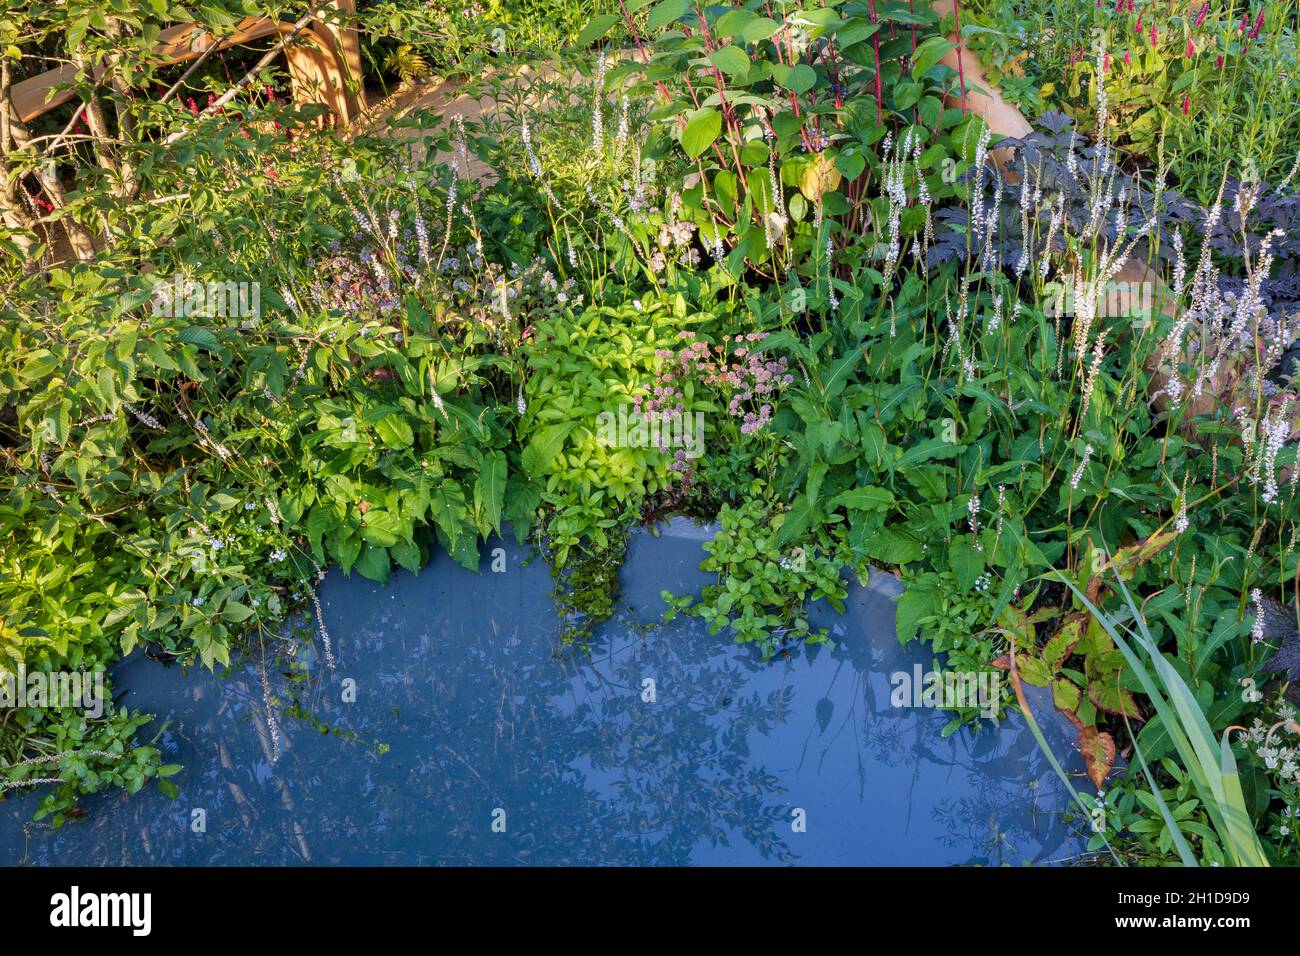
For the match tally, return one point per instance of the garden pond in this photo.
(454, 730)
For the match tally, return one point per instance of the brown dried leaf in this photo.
(1098, 749)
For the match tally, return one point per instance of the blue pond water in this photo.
(484, 719)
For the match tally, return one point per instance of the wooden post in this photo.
(346, 43)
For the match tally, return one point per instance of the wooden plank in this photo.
(316, 67)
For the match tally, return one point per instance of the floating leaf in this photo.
(1098, 749)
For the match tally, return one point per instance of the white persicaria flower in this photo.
(597, 114)
(973, 507)
(324, 632)
(1083, 463)
(1275, 431)
(1180, 263)
(1182, 522)
(1257, 626)
(623, 124)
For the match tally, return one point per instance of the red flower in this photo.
(1128, 60)
(1154, 36)
(1218, 61)
(1187, 105)
(1191, 49)
(1200, 14)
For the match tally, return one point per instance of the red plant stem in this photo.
(961, 73)
(916, 113)
(645, 57)
(733, 125)
(794, 99)
(875, 46)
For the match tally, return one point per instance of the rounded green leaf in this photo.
(759, 30)
(930, 52)
(701, 130)
(800, 78)
(665, 13)
(731, 60)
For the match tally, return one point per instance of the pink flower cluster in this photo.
(744, 375)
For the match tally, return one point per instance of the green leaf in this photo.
(665, 13)
(930, 52)
(758, 30)
(407, 554)
(915, 604)
(490, 489)
(797, 520)
(965, 561)
(383, 528)
(800, 78)
(731, 60)
(394, 431)
(701, 130)
(236, 612)
(866, 498)
(596, 28)
(374, 563)
(545, 445)
(894, 547)
(928, 450)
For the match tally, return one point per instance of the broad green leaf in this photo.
(596, 28)
(490, 489)
(928, 53)
(701, 130)
(665, 13)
